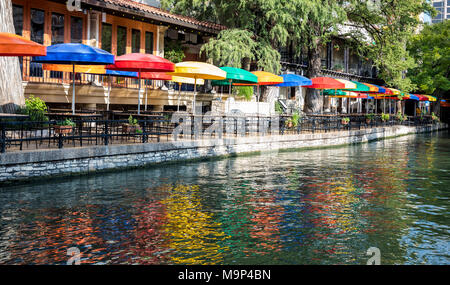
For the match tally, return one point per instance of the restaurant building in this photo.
(126, 26)
(117, 26)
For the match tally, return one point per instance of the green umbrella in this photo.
(332, 92)
(236, 75)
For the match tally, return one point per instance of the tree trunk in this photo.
(436, 106)
(11, 90)
(313, 99)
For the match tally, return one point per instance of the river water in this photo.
(323, 206)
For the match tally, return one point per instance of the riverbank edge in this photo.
(28, 166)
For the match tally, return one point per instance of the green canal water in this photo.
(325, 206)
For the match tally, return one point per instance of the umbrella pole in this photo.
(139, 95)
(146, 91)
(73, 89)
(257, 102)
(195, 95)
(179, 96)
(109, 93)
(229, 95)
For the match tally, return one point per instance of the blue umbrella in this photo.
(291, 80)
(75, 54)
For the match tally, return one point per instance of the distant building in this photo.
(443, 9)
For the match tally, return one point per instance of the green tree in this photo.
(383, 28)
(431, 50)
(258, 28)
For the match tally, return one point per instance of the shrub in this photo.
(278, 108)
(295, 119)
(370, 116)
(35, 108)
(434, 117)
(385, 117)
(346, 120)
(132, 121)
(245, 92)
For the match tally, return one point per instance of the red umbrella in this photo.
(153, 76)
(326, 83)
(139, 62)
(14, 45)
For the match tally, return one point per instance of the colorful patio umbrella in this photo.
(198, 70)
(322, 83)
(139, 62)
(153, 76)
(186, 80)
(326, 83)
(349, 85)
(235, 75)
(292, 80)
(14, 45)
(75, 54)
(264, 78)
(91, 69)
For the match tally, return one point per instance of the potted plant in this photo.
(401, 117)
(369, 118)
(64, 127)
(338, 67)
(345, 120)
(132, 126)
(385, 117)
(293, 121)
(434, 117)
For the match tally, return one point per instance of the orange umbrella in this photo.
(14, 45)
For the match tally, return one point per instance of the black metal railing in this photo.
(25, 135)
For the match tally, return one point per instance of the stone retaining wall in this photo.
(26, 165)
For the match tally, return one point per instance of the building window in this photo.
(37, 26)
(107, 37)
(149, 42)
(121, 40)
(18, 19)
(57, 28)
(438, 4)
(37, 35)
(135, 41)
(76, 30)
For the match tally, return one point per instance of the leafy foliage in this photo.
(173, 51)
(35, 108)
(431, 50)
(231, 47)
(132, 121)
(66, 122)
(245, 92)
(383, 29)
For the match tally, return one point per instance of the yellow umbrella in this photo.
(264, 78)
(198, 70)
(430, 98)
(180, 80)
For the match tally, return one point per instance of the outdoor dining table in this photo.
(74, 116)
(8, 116)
